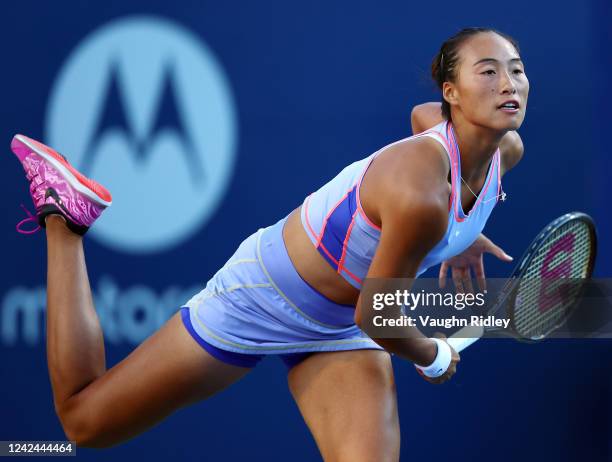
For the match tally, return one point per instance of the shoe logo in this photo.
(50, 192)
(143, 107)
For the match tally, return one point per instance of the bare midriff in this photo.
(311, 265)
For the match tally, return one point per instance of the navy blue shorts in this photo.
(238, 359)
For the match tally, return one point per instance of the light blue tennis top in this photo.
(342, 233)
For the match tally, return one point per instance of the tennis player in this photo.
(292, 289)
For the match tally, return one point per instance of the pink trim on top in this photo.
(312, 231)
(498, 154)
(352, 276)
(345, 244)
(455, 151)
(456, 195)
(358, 198)
(332, 210)
(483, 192)
(320, 244)
(449, 151)
(331, 257)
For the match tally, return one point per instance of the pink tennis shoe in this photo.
(57, 188)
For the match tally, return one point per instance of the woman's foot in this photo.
(57, 188)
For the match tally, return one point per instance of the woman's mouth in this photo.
(510, 107)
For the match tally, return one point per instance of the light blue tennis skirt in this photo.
(258, 304)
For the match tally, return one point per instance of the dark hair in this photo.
(444, 64)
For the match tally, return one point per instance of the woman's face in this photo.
(490, 87)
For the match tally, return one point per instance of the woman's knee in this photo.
(380, 447)
(78, 424)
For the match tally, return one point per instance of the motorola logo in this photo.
(128, 315)
(143, 106)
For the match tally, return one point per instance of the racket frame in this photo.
(508, 293)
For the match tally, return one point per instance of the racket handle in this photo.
(463, 338)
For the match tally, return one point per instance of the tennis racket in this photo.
(537, 297)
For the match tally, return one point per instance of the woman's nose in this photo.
(507, 84)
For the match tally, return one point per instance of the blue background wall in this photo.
(315, 86)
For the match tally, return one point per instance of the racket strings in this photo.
(550, 285)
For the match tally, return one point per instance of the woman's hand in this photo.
(470, 258)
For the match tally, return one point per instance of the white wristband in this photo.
(442, 361)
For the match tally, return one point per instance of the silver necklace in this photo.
(502, 196)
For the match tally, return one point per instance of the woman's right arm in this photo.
(412, 203)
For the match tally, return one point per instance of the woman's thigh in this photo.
(348, 400)
(167, 371)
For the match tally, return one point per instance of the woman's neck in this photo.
(477, 146)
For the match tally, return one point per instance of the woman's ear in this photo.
(449, 93)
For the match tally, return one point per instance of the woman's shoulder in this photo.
(410, 173)
(414, 157)
(511, 150)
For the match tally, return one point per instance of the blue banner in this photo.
(208, 120)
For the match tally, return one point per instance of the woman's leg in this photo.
(348, 401)
(100, 407)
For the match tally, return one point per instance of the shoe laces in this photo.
(30, 218)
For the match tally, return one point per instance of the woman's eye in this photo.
(489, 72)
(518, 71)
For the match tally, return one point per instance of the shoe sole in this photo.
(89, 188)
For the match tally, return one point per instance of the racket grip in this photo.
(463, 338)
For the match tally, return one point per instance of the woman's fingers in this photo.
(479, 272)
(442, 275)
(457, 279)
(497, 251)
(462, 279)
(467, 280)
